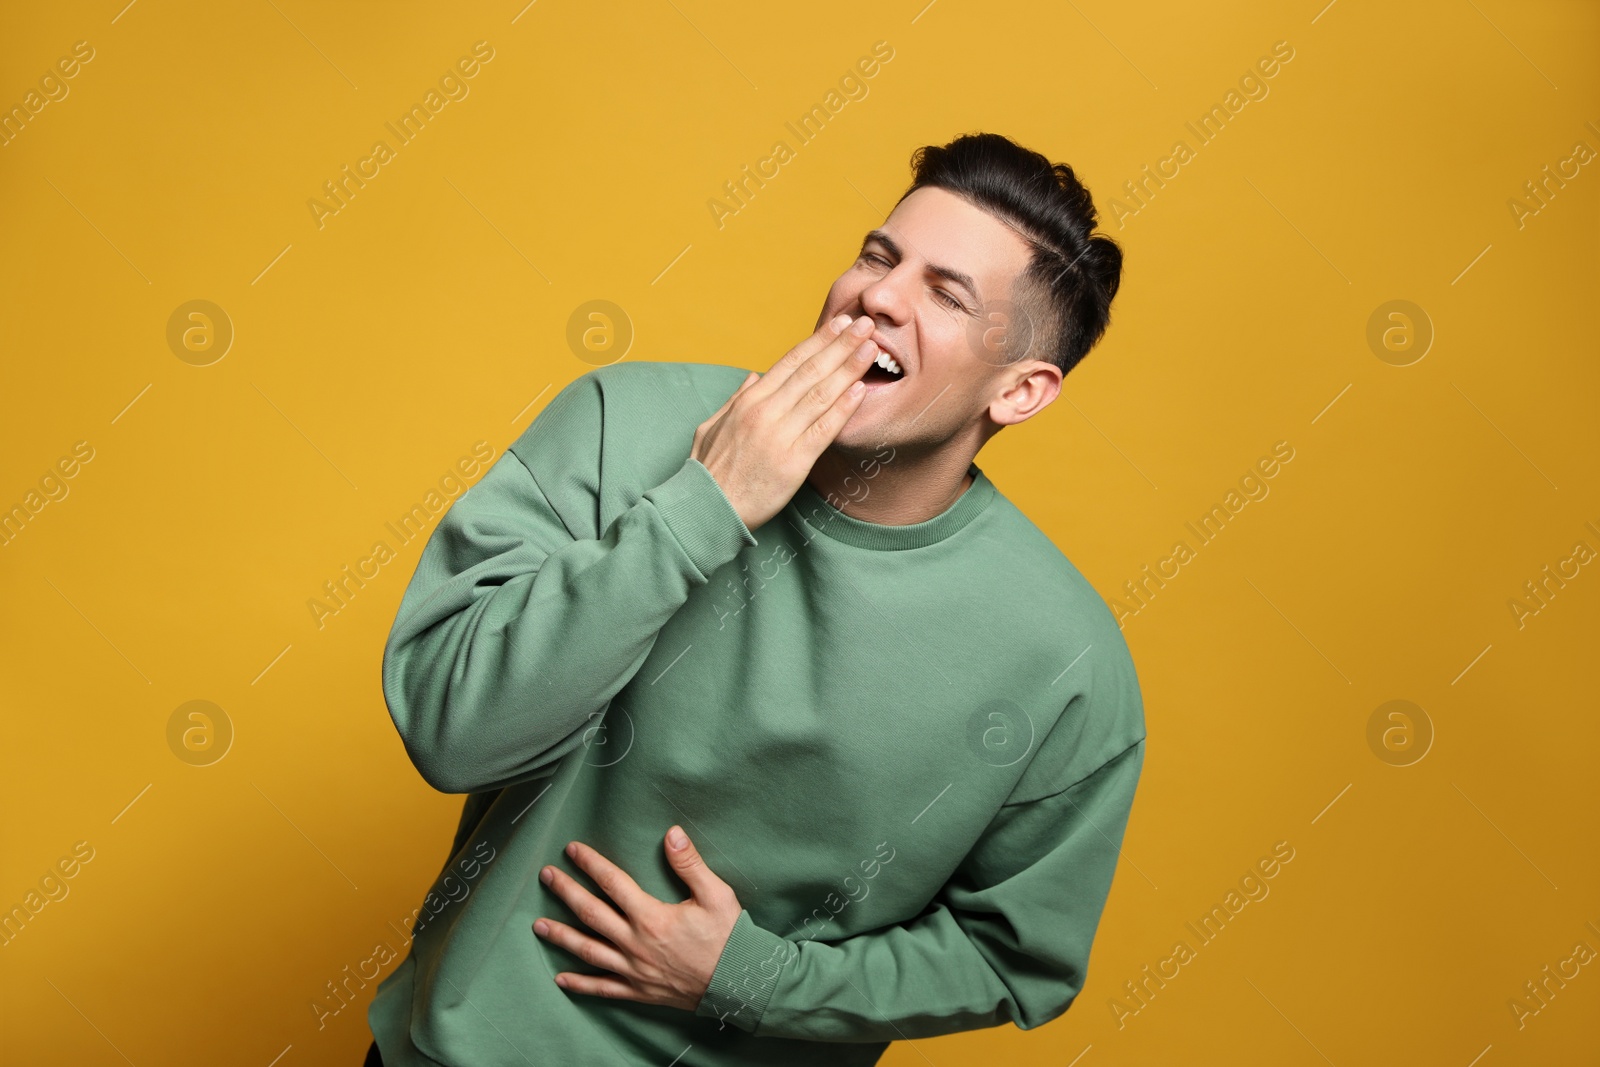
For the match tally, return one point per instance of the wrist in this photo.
(700, 517)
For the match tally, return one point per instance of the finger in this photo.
(823, 397)
(823, 334)
(703, 883)
(588, 949)
(828, 333)
(593, 912)
(599, 986)
(616, 882)
(806, 388)
(821, 433)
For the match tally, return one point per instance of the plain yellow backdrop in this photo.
(1443, 859)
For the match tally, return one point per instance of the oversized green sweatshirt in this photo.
(910, 750)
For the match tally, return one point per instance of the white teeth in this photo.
(887, 362)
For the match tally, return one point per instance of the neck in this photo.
(892, 487)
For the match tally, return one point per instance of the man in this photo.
(793, 619)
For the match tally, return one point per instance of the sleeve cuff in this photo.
(700, 516)
(746, 974)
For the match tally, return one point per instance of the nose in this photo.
(886, 299)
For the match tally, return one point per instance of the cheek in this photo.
(946, 347)
(846, 291)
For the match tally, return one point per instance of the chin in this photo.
(860, 437)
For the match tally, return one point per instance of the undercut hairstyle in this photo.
(1065, 292)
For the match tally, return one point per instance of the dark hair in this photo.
(1067, 287)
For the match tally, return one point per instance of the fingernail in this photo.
(862, 326)
(840, 322)
(541, 928)
(676, 838)
(547, 874)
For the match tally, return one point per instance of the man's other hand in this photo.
(660, 953)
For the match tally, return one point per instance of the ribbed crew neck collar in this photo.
(812, 508)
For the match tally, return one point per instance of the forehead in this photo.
(941, 228)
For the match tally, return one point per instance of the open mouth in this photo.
(883, 371)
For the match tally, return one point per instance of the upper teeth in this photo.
(887, 362)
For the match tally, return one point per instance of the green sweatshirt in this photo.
(910, 750)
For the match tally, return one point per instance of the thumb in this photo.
(686, 860)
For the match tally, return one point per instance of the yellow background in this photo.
(431, 312)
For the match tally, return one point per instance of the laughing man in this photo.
(788, 733)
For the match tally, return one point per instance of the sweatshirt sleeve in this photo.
(523, 619)
(1006, 940)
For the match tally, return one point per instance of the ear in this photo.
(1025, 391)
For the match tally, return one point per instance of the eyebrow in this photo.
(948, 273)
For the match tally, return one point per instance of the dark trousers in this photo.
(373, 1059)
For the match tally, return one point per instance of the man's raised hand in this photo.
(764, 440)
